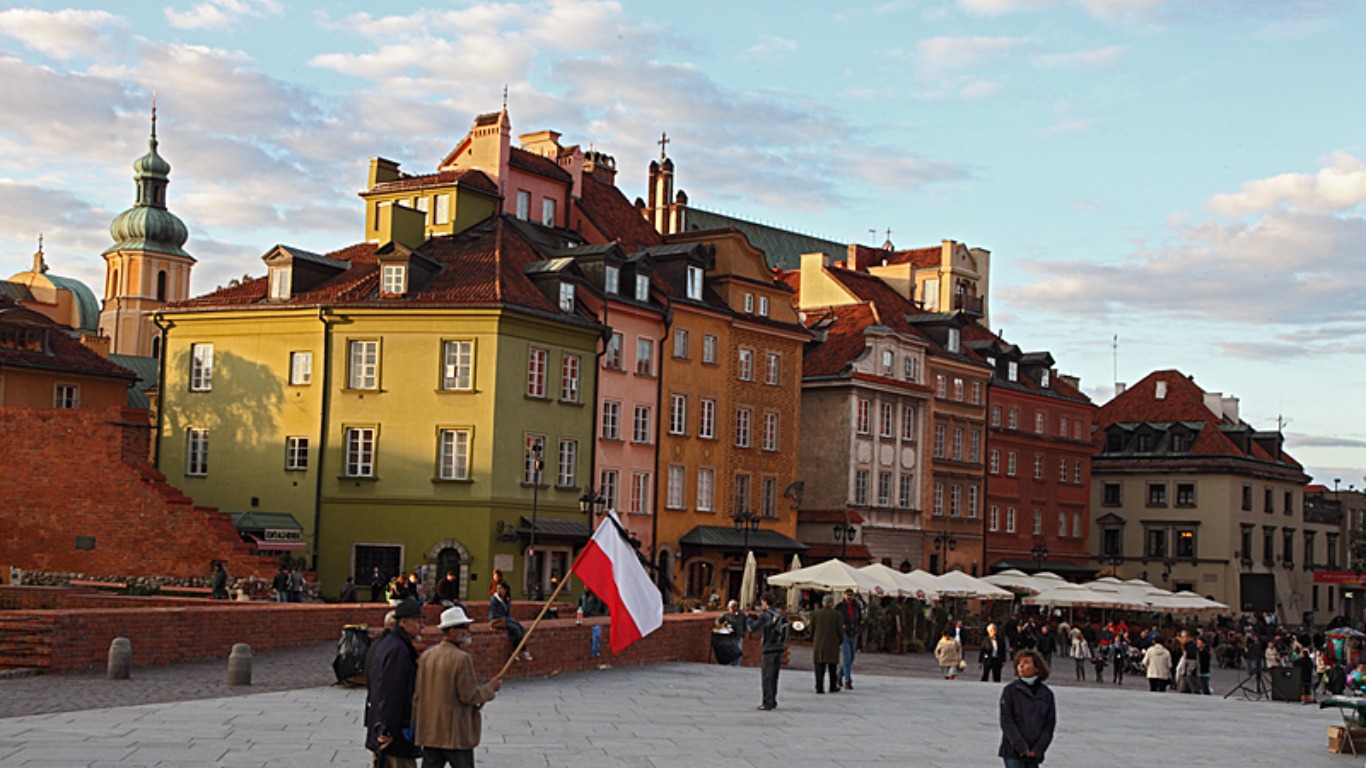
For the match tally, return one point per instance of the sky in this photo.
(1163, 184)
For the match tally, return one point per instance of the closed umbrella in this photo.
(794, 595)
(747, 581)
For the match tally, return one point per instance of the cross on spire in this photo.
(663, 144)
(505, 97)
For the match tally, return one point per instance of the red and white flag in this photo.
(609, 567)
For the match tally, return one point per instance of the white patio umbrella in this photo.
(907, 584)
(830, 576)
(959, 584)
(884, 576)
(1201, 603)
(748, 581)
(1079, 596)
(794, 595)
(1017, 580)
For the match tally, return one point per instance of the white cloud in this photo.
(980, 89)
(1068, 125)
(769, 48)
(946, 54)
(998, 7)
(220, 14)
(1095, 58)
(1297, 263)
(1337, 187)
(61, 35)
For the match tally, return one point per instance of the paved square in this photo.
(694, 716)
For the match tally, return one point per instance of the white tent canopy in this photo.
(959, 584)
(904, 584)
(831, 576)
(1079, 596)
(1018, 580)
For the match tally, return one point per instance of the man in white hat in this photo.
(447, 697)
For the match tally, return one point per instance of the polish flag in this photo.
(609, 567)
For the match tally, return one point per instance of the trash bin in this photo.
(725, 646)
(1285, 684)
(349, 665)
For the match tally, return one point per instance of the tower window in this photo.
(161, 285)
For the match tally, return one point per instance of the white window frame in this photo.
(908, 423)
(201, 367)
(567, 297)
(523, 205)
(744, 421)
(611, 420)
(300, 368)
(884, 489)
(611, 280)
(296, 453)
(678, 475)
(773, 364)
(567, 465)
(457, 365)
(453, 454)
(770, 431)
(768, 497)
(66, 395)
(706, 489)
(441, 212)
(643, 288)
(678, 414)
(711, 349)
(694, 287)
(861, 487)
(956, 501)
(1038, 522)
(938, 499)
(280, 279)
(973, 501)
(196, 452)
(1010, 519)
(744, 368)
(906, 495)
(863, 419)
(571, 367)
(763, 306)
(994, 519)
(393, 279)
(363, 358)
(749, 303)
(548, 211)
(681, 341)
(1011, 464)
(640, 493)
(645, 356)
(537, 362)
(609, 486)
(359, 445)
(641, 417)
(886, 420)
(614, 356)
(706, 419)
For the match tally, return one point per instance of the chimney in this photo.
(402, 225)
(382, 170)
(603, 167)
(1120, 387)
(1214, 402)
(1229, 407)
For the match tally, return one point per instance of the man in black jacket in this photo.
(993, 655)
(773, 627)
(390, 676)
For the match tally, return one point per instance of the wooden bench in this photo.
(186, 591)
(98, 584)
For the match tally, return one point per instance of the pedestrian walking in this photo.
(1029, 714)
(280, 583)
(1188, 668)
(377, 582)
(827, 631)
(1047, 644)
(993, 655)
(1081, 653)
(296, 585)
(772, 627)
(447, 697)
(949, 654)
(851, 611)
(390, 676)
(1119, 656)
(1157, 665)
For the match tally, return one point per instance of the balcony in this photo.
(972, 305)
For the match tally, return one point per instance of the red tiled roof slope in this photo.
(465, 177)
(64, 350)
(614, 216)
(534, 163)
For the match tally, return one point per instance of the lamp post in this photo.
(592, 504)
(1114, 561)
(844, 533)
(537, 464)
(944, 542)
(1040, 554)
(746, 521)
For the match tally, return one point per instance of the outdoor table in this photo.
(1353, 711)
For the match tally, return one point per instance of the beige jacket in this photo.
(447, 699)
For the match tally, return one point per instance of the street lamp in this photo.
(943, 541)
(592, 504)
(1115, 561)
(1040, 554)
(746, 521)
(537, 464)
(844, 533)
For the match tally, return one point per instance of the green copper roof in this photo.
(783, 248)
(148, 226)
(86, 302)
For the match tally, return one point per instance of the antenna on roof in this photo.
(1114, 358)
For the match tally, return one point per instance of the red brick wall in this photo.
(79, 472)
(73, 638)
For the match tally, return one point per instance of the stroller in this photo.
(1133, 663)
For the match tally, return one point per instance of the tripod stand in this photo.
(1255, 686)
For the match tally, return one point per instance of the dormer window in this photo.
(749, 303)
(280, 282)
(991, 361)
(523, 205)
(566, 297)
(612, 279)
(1043, 378)
(393, 280)
(548, 211)
(642, 288)
(763, 306)
(1012, 371)
(695, 283)
(954, 338)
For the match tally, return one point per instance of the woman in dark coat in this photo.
(827, 630)
(1028, 713)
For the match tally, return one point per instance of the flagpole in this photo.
(532, 628)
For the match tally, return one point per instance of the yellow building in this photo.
(393, 398)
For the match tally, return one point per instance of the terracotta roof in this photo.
(1057, 386)
(866, 256)
(63, 350)
(471, 178)
(614, 216)
(534, 163)
(844, 340)
(484, 265)
(1183, 401)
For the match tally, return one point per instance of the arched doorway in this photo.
(449, 555)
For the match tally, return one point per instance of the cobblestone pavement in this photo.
(311, 666)
(690, 716)
(285, 669)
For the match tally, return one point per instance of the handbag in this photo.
(962, 664)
